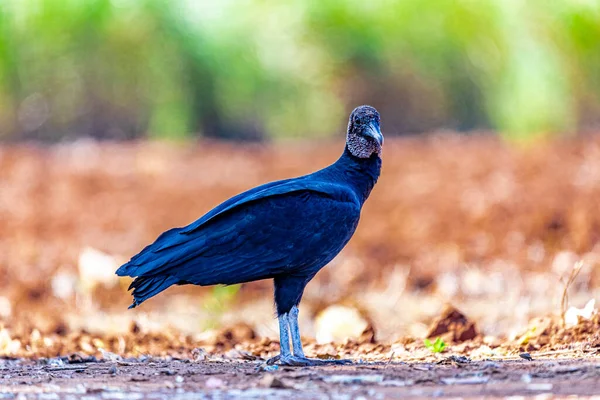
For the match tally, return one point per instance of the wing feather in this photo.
(269, 232)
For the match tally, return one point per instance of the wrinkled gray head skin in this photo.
(364, 136)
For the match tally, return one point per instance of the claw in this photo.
(273, 360)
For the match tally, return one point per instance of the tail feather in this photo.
(145, 287)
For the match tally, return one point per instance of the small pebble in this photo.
(526, 378)
(214, 383)
(265, 367)
(271, 381)
(526, 356)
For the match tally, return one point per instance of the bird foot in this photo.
(295, 361)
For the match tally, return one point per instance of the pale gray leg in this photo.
(295, 331)
(284, 340)
(284, 336)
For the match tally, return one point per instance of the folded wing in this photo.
(260, 235)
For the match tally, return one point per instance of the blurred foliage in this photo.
(435, 347)
(220, 301)
(251, 69)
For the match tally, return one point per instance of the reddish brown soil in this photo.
(467, 220)
(441, 204)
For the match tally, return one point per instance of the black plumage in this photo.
(286, 230)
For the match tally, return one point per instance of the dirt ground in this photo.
(491, 248)
(183, 379)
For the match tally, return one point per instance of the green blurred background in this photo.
(253, 70)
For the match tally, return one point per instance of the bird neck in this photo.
(360, 173)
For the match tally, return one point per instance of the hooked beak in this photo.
(374, 132)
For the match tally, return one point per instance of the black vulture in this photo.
(286, 230)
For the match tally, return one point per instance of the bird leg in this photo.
(289, 322)
(284, 341)
(294, 327)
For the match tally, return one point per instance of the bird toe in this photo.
(294, 361)
(273, 360)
